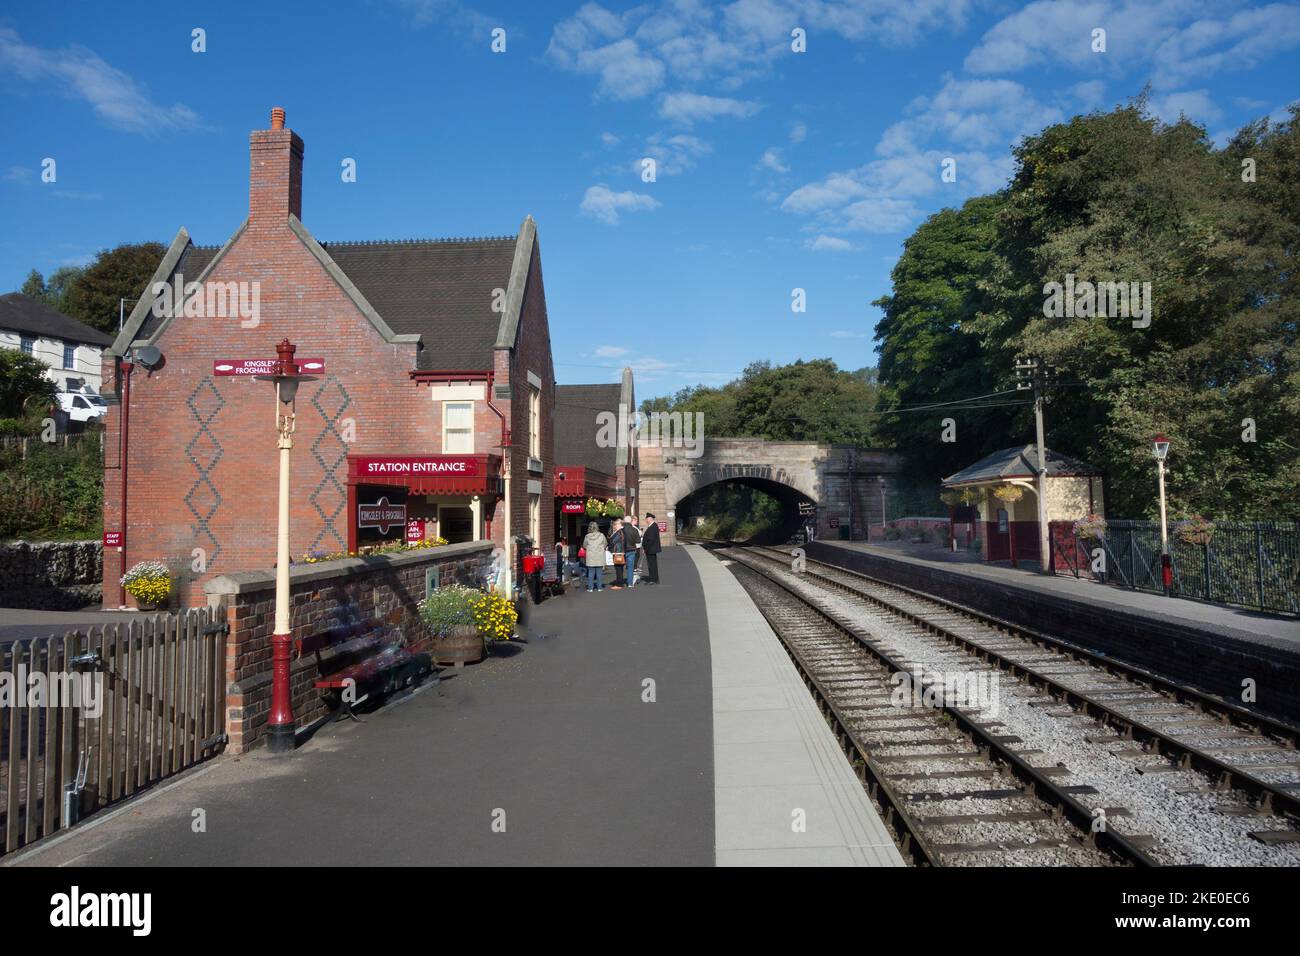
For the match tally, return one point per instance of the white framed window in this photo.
(69, 355)
(534, 423)
(535, 519)
(27, 343)
(458, 428)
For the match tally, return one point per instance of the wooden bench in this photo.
(369, 657)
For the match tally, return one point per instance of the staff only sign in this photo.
(382, 515)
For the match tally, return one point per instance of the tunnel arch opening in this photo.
(792, 511)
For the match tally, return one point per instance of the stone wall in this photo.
(382, 589)
(51, 575)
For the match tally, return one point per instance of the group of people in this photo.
(625, 549)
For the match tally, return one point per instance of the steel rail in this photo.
(1227, 776)
(1039, 784)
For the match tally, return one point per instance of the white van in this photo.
(81, 406)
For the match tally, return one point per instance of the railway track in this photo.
(1231, 774)
(952, 787)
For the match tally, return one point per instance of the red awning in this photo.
(584, 482)
(428, 474)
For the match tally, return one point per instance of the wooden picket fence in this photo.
(161, 692)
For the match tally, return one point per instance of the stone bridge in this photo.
(840, 484)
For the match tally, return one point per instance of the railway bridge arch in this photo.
(839, 484)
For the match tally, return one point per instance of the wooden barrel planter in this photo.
(464, 645)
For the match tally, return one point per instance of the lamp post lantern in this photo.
(280, 726)
(1160, 448)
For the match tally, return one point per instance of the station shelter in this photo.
(1007, 524)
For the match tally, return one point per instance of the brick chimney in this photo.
(275, 172)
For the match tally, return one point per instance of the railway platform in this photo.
(658, 726)
(1211, 646)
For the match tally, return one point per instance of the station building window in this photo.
(535, 519)
(69, 355)
(458, 428)
(27, 342)
(534, 424)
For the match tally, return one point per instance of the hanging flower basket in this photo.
(1008, 494)
(1195, 530)
(968, 496)
(951, 497)
(1091, 528)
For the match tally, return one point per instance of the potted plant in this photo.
(1195, 530)
(448, 613)
(595, 508)
(150, 583)
(494, 616)
(613, 509)
(1091, 528)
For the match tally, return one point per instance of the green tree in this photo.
(123, 272)
(23, 385)
(938, 346)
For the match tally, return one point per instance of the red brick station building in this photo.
(432, 391)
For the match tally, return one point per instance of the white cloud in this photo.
(609, 139)
(690, 108)
(673, 155)
(969, 121)
(829, 244)
(1196, 105)
(1180, 40)
(19, 174)
(117, 99)
(771, 159)
(1089, 94)
(604, 204)
(610, 351)
(634, 53)
(798, 133)
(844, 334)
(1238, 42)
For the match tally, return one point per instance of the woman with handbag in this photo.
(618, 551)
(593, 557)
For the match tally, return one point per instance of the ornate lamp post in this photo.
(280, 729)
(1160, 448)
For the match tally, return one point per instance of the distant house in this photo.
(71, 349)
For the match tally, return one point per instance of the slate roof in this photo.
(575, 428)
(441, 289)
(1019, 462)
(21, 313)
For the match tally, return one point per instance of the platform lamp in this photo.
(280, 727)
(1160, 448)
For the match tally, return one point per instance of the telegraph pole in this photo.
(1030, 374)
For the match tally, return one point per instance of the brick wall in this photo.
(532, 353)
(382, 589)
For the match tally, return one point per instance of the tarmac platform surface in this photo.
(1280, 632)
(646, 729)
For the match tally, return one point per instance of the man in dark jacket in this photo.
(650, 545)
(632, 542)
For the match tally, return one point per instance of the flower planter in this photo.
(463, 645)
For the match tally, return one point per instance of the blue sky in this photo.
(775, 169)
